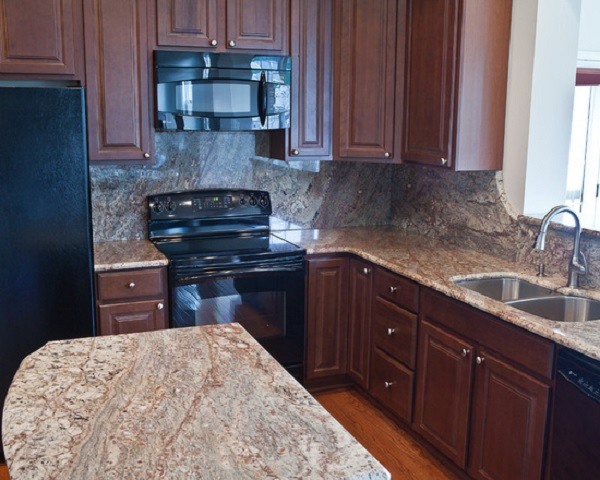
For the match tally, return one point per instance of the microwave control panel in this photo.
(208, 203)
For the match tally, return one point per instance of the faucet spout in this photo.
(578, 265)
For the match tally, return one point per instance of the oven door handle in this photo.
(234, 272)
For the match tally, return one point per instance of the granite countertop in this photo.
(435, 264)
(201, 402)
(127, 254)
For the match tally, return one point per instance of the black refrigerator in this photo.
(46, 259)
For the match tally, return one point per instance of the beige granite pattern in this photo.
(434, 263)
(202, 402)
(122, 255)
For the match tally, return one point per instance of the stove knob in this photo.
(264, 201)
(171, 206)
(252, 201)
(242, 201)
(158, 207)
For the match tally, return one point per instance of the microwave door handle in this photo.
(262, 98)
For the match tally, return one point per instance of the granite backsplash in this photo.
(467, 209)
(470, 209)
(340, 194)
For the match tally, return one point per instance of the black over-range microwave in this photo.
(221, 91)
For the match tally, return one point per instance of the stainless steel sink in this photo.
(505, 289)
(560, 308)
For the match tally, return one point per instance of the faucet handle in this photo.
(582, 266)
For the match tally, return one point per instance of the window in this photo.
(583, 178)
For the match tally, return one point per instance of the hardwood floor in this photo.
(397, 450)
(3, 473)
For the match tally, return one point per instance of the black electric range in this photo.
(226, 266)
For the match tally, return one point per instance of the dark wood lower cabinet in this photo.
(327, 317)
(134, 317)
(443, 397)
(132, 301)
(359, 322)
(509, 422)
(474, 387)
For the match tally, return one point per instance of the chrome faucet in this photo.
(578, 265)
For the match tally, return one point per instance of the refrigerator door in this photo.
(46, 258)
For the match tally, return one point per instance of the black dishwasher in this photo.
(575, 448)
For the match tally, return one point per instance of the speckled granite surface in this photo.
(435, 263)
(127, 254)
(203, 402)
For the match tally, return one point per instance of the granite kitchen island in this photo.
(202, 402)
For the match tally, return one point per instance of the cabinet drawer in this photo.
(131, 284)
(392, 384)
(396, 289)
(394, 330)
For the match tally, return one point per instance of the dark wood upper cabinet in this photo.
(41, 39)
(118, 80)
(368, 66)
(187, 23)
(359, 321)
(327, 317)
(456, 79)
(224, 25)
(311, 47)
(258, 24)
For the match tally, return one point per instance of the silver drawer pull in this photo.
(479, 360)
(393, 289)
(131, 285)
(160, 306)
(391, 331)
(464, 352)
(388, 384)
(366, 270)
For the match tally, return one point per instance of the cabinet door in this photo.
(509, 422)
(442, 402)
(187, 23)
(312, 30)
(258, 25)
(133, 317)
(366, 70)
(118, 100)
(359, 322)
(327, 317)
(41, 37)
(429, 101)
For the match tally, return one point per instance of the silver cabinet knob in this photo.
(146, 155)
(391, 331)
(388, 384)
(131, 285)
(213, 42)
(479, 360)
(232, 43)
(366, 270)
(387, 155)
(443, 161)
(160, 306)
(464, 352)
(295, 152)
(393, 289)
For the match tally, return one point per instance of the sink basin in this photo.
(560, 308)
(505, 289)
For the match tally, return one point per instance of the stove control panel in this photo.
(208, 203)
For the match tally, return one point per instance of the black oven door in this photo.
(267, 302)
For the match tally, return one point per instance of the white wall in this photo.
(543, 60)
(589, 34)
